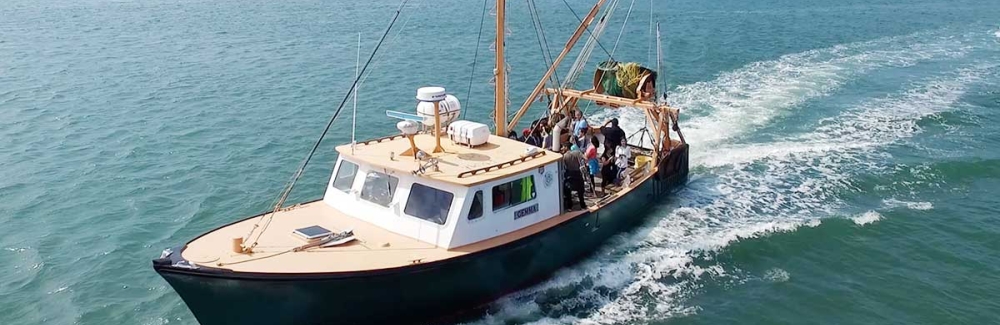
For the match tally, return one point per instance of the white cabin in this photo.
(446, 207)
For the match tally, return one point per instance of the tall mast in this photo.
(500, 107)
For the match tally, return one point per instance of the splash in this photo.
(867, 218)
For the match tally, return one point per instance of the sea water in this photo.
(845, 155)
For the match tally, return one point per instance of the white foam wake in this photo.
(920, 206)
(741, 100)
(754, 189)
(770, 188)
(875, 124)
(867, 218)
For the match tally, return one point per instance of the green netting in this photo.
(621, 79)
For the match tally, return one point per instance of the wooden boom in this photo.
(607, 99)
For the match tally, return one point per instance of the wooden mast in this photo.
(500, 92)
(566, 49)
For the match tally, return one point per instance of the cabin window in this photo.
(379, 188)
(476, 209)
(345, 176)
(513, 193)
(428, 203)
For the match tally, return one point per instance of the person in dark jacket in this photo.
(535, 138)
(609, 172)
(613, 136)
(513, 136)
(572, 162)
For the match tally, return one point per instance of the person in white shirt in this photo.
(580, 127)
(622, 156)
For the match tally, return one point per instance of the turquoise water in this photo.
(845, 153)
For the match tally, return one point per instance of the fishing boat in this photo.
(444, 215)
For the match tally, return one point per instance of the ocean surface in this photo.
(845, 154)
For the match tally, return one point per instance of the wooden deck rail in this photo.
(501, 165)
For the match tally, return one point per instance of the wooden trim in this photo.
(607, 99)
(501, 165)
(379, 140)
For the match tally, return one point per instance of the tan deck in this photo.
(376, 248)
(393, 250)
(455, 160)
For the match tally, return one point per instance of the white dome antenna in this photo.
(437, 109)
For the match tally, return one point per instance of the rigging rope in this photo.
(580, 20)
(622, 31)
(543, 43)
(649, 49)
(584, 56)
(475, 57)
(298, 173)
(381, 57)
(594, 39)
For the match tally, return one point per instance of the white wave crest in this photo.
(866, 218)
(921, 206)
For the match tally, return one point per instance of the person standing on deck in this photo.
(613, 136)
(580, 127)
(622, 155)
(593, 166)
(608, 171)
(534, 138)
(572, 162)
(561, 132)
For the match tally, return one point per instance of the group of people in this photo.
(580, 147)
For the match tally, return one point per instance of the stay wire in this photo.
(588, 29)
(649, 50)
(475, 57)
(622, 31)
(547, 51)
(305, 163)
(543, 43)
(381, 57)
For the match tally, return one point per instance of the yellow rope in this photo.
(628, 76)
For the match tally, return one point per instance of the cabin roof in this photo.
(455, 159)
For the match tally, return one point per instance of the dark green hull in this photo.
(414, 293)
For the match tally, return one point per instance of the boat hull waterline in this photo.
(419, 292)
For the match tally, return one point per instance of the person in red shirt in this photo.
(593, 165)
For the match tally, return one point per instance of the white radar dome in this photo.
(430, 94)
(449, 108)
(408, 127)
